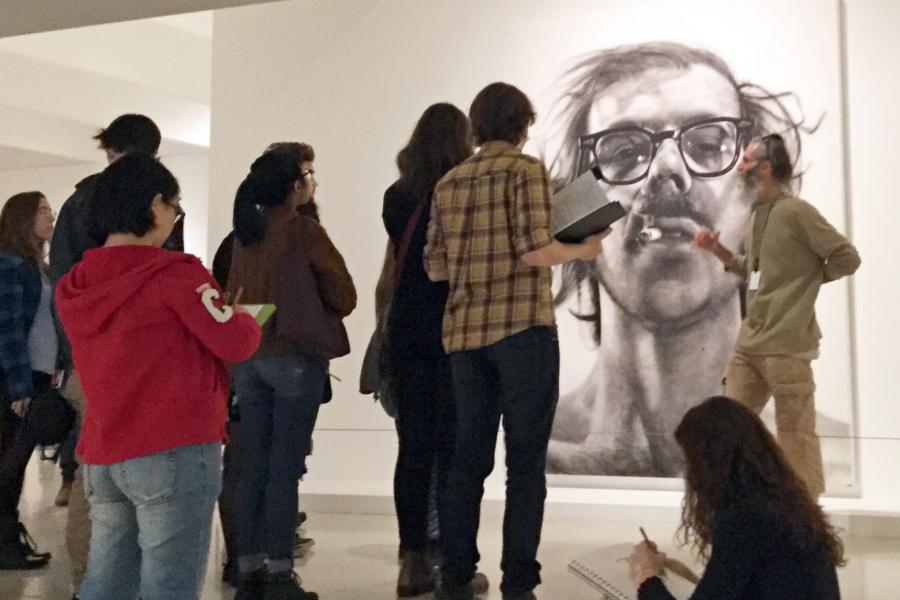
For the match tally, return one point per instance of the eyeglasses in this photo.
(709, 148)
(307, 173)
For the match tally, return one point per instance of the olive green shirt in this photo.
(795, 251)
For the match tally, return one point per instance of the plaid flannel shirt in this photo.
(487, 213)
(20, 293)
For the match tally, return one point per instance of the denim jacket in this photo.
(20, 295)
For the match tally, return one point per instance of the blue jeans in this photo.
(279, 398)
(151, 518)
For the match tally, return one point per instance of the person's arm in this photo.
(230, 334)
(708, 240)
(740, 542)
(532, 240)
(14, 359)
(840, 256)
(334, 280)
(435, 256)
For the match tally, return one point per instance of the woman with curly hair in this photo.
(746, 513)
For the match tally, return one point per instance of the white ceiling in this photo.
(58, 88)
(31, 16)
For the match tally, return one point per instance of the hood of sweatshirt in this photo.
(108, 279)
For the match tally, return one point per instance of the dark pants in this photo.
(279, 401)
(228, 494)
(516, 379)
(16, 447)
(425, 430)
(67, 462)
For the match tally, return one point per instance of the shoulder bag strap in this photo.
(404, 244)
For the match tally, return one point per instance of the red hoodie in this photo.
(149, 335)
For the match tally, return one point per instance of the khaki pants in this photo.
(78, 524)
(752, 379)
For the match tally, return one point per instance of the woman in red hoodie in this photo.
(150, 336)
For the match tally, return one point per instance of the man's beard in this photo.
(750, 183)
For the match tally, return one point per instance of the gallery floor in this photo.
(355, 555)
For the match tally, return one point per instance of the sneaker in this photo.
(62, 497)
(250, 585)
(415, 576)
(285, 586)
(302, 545)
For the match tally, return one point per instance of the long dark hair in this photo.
(441, 140)
(269, 184)
(17, 227)
(729, 455)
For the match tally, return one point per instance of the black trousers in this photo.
(425, 430)
(229, 490)
(516, 380)
(16, 448)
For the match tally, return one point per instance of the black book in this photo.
(581, 209)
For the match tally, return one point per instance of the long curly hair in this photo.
(729, 454)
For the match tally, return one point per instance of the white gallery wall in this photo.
(58, 183)
(352, 76)
(57, 89)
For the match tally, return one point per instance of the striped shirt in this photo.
(486, 214)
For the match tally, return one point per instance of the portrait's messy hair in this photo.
(590, 78)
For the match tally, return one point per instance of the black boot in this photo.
(286, 586)
(251, 585)
(19, 552)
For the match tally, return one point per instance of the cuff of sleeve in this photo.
(535, 240)
(652, 587)
(19, 389)
(735, 265)
(437, 273)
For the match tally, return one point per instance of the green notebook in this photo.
(260, 312)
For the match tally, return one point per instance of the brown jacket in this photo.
(262, 267)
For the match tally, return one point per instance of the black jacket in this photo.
(71, 240)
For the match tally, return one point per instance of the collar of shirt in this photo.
(759, 201)
(497, 147)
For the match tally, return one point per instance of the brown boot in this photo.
(415, 577)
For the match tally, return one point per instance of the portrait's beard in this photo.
(665, 282)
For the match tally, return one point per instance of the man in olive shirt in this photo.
(790, 250)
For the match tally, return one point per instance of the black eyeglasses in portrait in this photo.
(623, 155)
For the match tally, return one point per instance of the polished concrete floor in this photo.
(355, 555)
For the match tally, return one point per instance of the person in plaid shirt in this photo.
(489, 238)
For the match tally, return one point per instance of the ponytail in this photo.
(268, 185)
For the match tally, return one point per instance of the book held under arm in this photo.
(581, 209)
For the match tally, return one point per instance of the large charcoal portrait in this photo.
(666, 123)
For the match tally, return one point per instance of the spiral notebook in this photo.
(606, 571)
